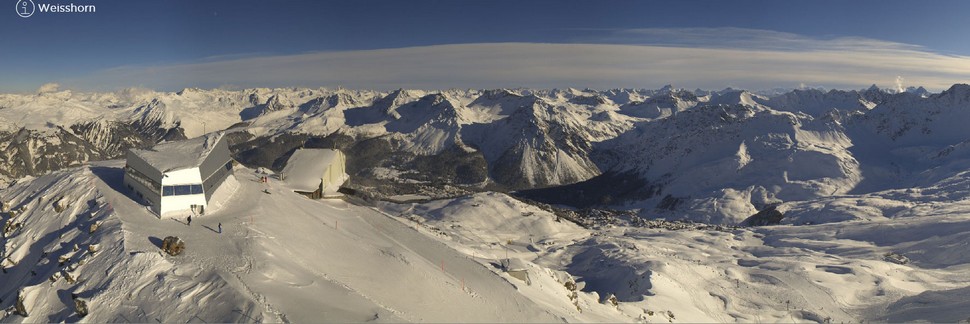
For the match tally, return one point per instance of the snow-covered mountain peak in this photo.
(343, 99)
(919, 91)
(591, 100)
(661, 105)
(957, 94)
(816, 103)
(736, 97)
(497, 94)
(623, 96)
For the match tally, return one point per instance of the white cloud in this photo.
(48, 87)
(739, 38)
(755, 60)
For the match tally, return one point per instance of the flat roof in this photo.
(179, 155)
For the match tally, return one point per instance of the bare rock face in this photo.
(613, 301)
(80, 307)
(768, 216)
(19, 307)
(94, 227)
(895, 258)
(173, 245)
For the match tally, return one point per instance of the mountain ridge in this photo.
(794, 146)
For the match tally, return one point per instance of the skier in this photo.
(220, 228)
(189, 222)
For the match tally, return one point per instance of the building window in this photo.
(229, 165)
(183, 190)
(195, 189)
(142, 179)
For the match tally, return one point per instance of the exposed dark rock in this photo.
(895, 258)
(80, 306)
(36, 153)
(19, 307)
(669, 202)
(111, 138)
(173, 245)
(768, 216)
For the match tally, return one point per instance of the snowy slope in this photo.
(123, 280)
(544, 143)
(822, 273)
(815, 102)
(662, 105)
(281, 257)
(747, 156)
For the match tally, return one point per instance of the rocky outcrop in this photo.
(768, 216)
(173, 245)
(19, 307)
(80, 306)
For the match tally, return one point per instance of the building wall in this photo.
(182, 177)
(216, 168)
(135, 162)
(316, 194)
(173, 204)
(216, 179)
(216, 159)
(146, 194)
(334, 175)
(182, 202)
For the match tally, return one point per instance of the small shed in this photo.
(517, 269)
(315, 173)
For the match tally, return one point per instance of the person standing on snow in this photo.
(220, 228)
(189, 221)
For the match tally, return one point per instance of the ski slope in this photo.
(280, 257)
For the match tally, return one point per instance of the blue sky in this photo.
(170, 45)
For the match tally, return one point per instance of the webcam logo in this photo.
(25, 8)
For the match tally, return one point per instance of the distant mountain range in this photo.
(716, 156)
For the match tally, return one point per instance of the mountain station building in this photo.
(179, 177)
